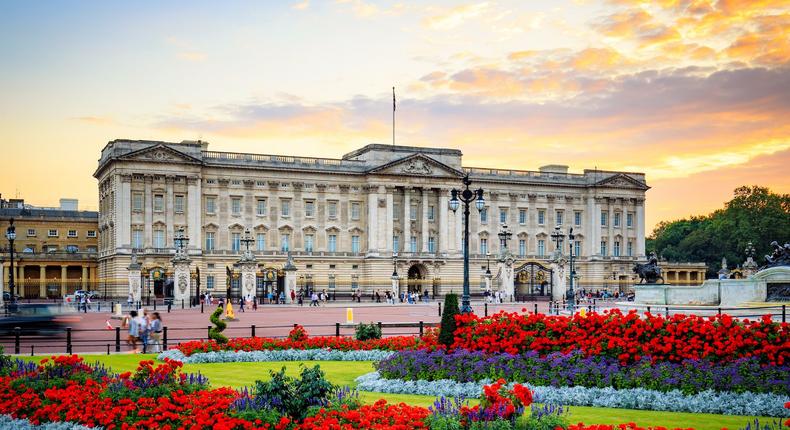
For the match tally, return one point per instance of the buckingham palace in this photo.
(353, 223)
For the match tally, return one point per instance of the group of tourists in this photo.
(144, 329)
(494, 296)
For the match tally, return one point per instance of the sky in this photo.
(694, 93)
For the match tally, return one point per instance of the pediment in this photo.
(417, 165)
(621, 180)
(160, 153)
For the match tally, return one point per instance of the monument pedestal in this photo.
(507, 277)
(182, 281)
(395, 286)
(558, 266)
(248, 269)
(135, 283)
(290, 278)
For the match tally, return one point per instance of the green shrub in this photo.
(543, 422)
(442, 422)
(368, 331)
(5, 362)
(292, 397)
(219, 325)
(447, 330)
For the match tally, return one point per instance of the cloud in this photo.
(303, 5)
(636, 25)
(454, 17)
(97, 120)
(192, 56)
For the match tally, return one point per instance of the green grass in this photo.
(344, 372)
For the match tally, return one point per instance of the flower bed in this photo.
(627, 337)
(635, 398)
(574, 369)
(276, 355)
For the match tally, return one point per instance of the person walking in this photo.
(282, 297)
(155, 329)
(133, 334)
(241, 303)
(293, 296)
(142, 323)
(378, 297)
(314, 299)
(130, 300)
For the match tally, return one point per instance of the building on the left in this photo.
(55, 251)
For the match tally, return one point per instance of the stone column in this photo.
(405, 247)
(424, 220)
(459, 228)
(444, 232)
(63, 274)
(2, 281)
(372, 220)
(248, 269)
(42, 281)
(640, 228)
(290, 278)
(169, 208)
(84, 277)
(135, 284)
(148, 239)
(124, 219)
(21, 285)
(194, 210)
(182, 279)
(589, 228)
(610, 228)
(390, 222)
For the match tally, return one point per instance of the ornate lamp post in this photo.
(10, 234)
(557, 237)
(570, 295)
(395, 286)
(466, 196)
(504, 236)
(394, 264)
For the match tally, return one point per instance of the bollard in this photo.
(68, 340)
(379, 324)
(337, 329)
(169, 305)
(784, 313)
(421, 328)
(201, 307)
(295, 324)
(17, 332)
(99, 305)
(182, 303)
(719, 311)
(440, 308)
(666, 312)
(208, 331)
(252, 330)
(485, 312)
(117, 339)
(154, 304)
(536, 308)
(85, 308)
(31, 350)
(108, 349)
(164, 338)
(648, 309)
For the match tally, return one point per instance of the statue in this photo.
(780, 256)
(649, 273)
(724, 272)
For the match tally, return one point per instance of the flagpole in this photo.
(393, 116)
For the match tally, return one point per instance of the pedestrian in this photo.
(378, 297)
(282, 297)
(254, 300)
(241, 304)
(83, 303)
(269, 297)
(142, 323)
(134, 330)
(155, 329)
(314, 299)
(293, 296)
(326, 296)
(300, 298)
(130, 300)
(425, 296)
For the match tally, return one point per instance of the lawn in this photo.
(343, 373)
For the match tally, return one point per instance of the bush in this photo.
(368, 331)
(447, 332)
(215, 332)
(5, 362)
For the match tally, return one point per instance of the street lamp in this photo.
(504, 236)
(570, 295)
(466, 196)
(557, 236)
(394, 264)
(10, 234)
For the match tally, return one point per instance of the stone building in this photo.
(55, 250)
(349, 222)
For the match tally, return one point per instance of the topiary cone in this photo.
(447, 330)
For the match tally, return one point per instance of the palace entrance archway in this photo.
(417, 278)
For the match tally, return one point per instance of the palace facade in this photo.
(349, 222)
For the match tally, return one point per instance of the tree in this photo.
(754, 214)
(447, 329)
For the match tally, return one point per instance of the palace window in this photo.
(137, 202)
(484, 246)
(629, 220)
(577, 218)
(522, 216)
(484, 216)
(309, 209)
(260, 241)
(541, 248)
(558, 215)
(91, 233)
(502, 216)
(331, 282)
(137, 239)
(332, 246)
(209, 240)
(235, 205)
(577, 248)
(308, 242)
(159, 203)
(431, 244)
(210, 282)
(354, 211)
(395, 243)
(522, 247)
(211, 203)
(72, 233)
(617, 219)
(235, 243)
(332, 210)
(260, 207)
(616, 248)
(31, 232)
(431, 213)
(630, 248)
(159, 239)
(395, 211)
(603, 247)
(179, 204)
(52, 233)
(413, 244)
(285, 206)
(413, 212)
(72, 249)
(604, 219)
(284, 242)
(541, 217)
(355, 244)
(354, 282)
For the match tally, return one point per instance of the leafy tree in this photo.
(754, 214)
(447, 329)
